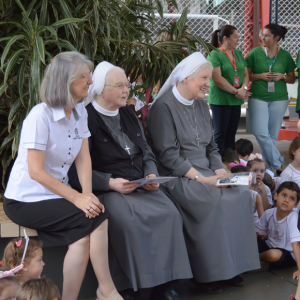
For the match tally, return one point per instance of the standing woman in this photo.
(229, 84)
(54, 135)
(270, 69)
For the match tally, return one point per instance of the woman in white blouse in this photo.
(54, 134)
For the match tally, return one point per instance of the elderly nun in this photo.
(218, 223)
(54, 135)
(145, 228)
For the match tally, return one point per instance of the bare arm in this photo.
(221, 82)
(259, 205)
(212, 180)
(296, 250)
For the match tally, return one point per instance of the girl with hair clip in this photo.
(270, 69)
(229, 85)
(33, 262)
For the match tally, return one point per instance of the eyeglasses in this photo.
(86, 76)
(120, 86)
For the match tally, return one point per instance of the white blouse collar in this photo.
(103, 111)
(180, 98)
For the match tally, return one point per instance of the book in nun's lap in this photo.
(159, 180)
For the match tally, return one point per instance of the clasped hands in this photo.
(271, 76)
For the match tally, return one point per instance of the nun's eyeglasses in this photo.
(121, 86)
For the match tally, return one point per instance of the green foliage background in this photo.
(34, 31)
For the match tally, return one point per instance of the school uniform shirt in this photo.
(217, 96)
(290, 174)
(281, 233)
(47, 129)
(257, 62)
(255, 214)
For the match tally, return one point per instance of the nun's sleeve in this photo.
(162, 129)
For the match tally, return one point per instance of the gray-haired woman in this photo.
(54, 134)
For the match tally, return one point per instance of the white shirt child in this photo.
(281, 233)
(255, 214)
(290, 174)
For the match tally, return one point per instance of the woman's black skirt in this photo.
(57, 221)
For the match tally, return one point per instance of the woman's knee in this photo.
(82, 243)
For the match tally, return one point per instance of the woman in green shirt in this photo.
(228, 85)
(270, 69)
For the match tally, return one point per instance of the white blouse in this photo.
(49, 130)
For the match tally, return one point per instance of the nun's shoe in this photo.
(208, 287)
(235, 281)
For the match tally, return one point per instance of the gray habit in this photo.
(218, 223)
(147, 246)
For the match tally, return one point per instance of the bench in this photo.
(290, 131)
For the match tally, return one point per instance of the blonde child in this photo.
(8, 287)
(258, 166)
(38, 289)
(292, 171)
(33, 261)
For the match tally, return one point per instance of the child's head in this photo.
(268, 180)
(258, 166)
(287, 196)
(294, 150)
(239, 169)
(38, 289)
(8, 287)
(244, 148)
(33, 262)
(229, 156)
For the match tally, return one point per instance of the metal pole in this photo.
(276, 11)
(270, 15)
(256, 14)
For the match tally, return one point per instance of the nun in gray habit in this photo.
(218, 222)
(145, 229)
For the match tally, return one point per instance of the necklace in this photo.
(196, 127)
(124, 139)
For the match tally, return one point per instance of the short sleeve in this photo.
(35, 131)
(214, 58)
(290, 66)
(250, 60)
(241, 57)
(86, 131)
(262, 225)
(293, 228)
(298, 60)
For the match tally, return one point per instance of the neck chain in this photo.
(124, 139)
(196, 127)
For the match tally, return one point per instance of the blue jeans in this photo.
(266, 120)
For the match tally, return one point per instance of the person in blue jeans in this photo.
(270, 69)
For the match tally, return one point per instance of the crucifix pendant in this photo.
(197, 140)
(127, 149)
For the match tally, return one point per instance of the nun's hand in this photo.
(120, 185)
(152, 186)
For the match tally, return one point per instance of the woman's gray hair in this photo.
(207, 65)
(59, 75)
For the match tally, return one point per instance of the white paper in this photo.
(143, 181)
(245, 178)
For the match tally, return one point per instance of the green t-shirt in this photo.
(257, 62)
(218, 96)
(298, 67)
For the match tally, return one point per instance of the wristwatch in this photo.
(284, 77)
(246, 88)
(197, 176)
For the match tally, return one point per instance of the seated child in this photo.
(258, 208)
(280, 223)
(230, 159)
(243, 148)
(272, 183)
(292, 171)
(33, 263)
(8, 286)
(258, 166)
(38, 289)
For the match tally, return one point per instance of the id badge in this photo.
(271, 86)
(236, 81)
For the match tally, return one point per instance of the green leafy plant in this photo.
(34, 31)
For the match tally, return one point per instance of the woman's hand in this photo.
(117, 184)
(266, 76)
(241, 93)
(277, 76)
(89, 204)
(153, 186)
(211, 180)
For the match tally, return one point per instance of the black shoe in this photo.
(208, 287)
(235, 281)
(127, 294)
(169, 294)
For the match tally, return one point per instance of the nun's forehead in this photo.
(115, 75)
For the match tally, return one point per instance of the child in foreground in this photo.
(292, 171)
(38, 289)
(33, 261)
(8, 287)
(243, 148)
(280, 223)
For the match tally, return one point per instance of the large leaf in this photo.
(40, 47)
(66, 21)
(11, 41)
(12, 61)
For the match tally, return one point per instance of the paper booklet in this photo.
(246, 178)
(159, 180)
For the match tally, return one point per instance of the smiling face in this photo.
(259, 169)
(286, 200)
(195, 86)
(116, 91)
(232, 41)
(34, 268)
(268, 39)
(80, 86)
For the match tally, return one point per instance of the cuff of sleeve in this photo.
(260, 230)
(295, 239)
(86, 135)
(150, 168)
(217, 165)
(183, 168)
(37, 146)
(100, 181)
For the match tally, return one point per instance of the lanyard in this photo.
(232, 62)
(270, 66)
